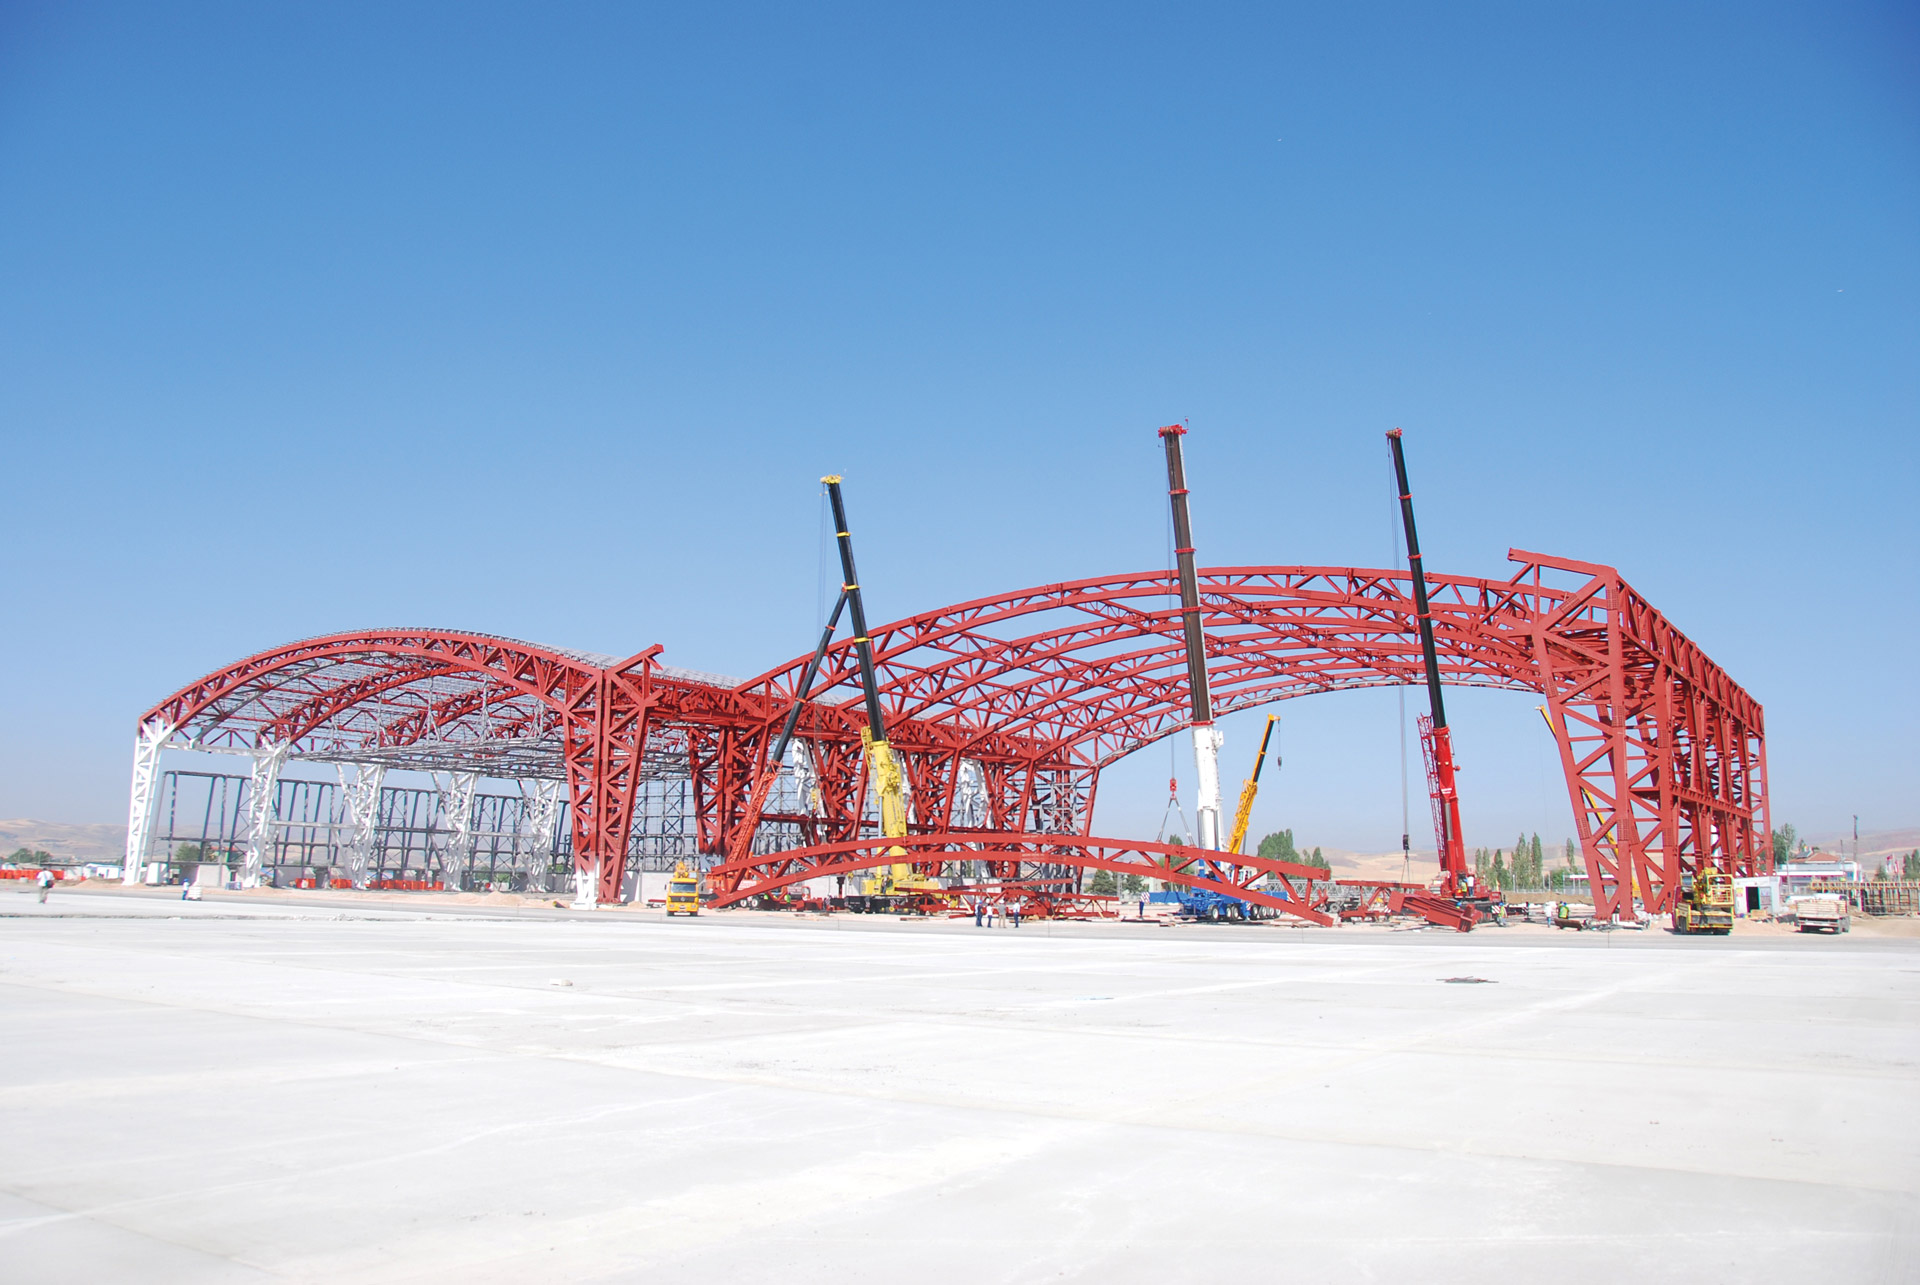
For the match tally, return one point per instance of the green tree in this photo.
(1317, 861)
(1100, 883)
(1517, 872)
(1784, 840)
(1278, 846)
(1910, 865)
(1536, 860)
(1499, 871)
(188, 852)
(1133, 885)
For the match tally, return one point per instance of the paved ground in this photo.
(232, 1090)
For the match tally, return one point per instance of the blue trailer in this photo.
(1203, 904)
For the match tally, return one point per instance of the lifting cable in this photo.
(1173, 807)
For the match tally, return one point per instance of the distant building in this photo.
(1820, 867)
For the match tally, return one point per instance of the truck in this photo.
(683, 891)
(1821, 910)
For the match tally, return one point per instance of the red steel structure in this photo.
(1005, 710)
(1277, 885)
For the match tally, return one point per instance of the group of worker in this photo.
(984, 913)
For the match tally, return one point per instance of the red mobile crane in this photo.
(1458, 903)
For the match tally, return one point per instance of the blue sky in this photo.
(544, 320)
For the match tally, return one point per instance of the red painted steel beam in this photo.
(1191, 867)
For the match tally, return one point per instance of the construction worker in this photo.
(45, 880)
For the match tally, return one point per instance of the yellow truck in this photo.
(683, 890)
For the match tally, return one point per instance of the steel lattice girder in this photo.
(1664, 754)
(1665, 757)
(334, 696)
(1191, 867)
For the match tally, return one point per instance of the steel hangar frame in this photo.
(1004, 711)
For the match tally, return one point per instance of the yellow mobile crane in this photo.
(883, 769)
(683, 890)
(1238, 842)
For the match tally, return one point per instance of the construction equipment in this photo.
(683, 890)
(1206, 737)
(1456, 882)
(1237, 844)
(883, 769)
(1217, 907)
(1705, 904)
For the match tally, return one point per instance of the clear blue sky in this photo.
(543, 320)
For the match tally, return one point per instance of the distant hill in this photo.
(1877, 844)
(1380, 865)
(72, 842)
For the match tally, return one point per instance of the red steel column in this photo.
(605, 735)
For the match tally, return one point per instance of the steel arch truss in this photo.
(431, 699)
(1005, 710)
(1664, 755)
